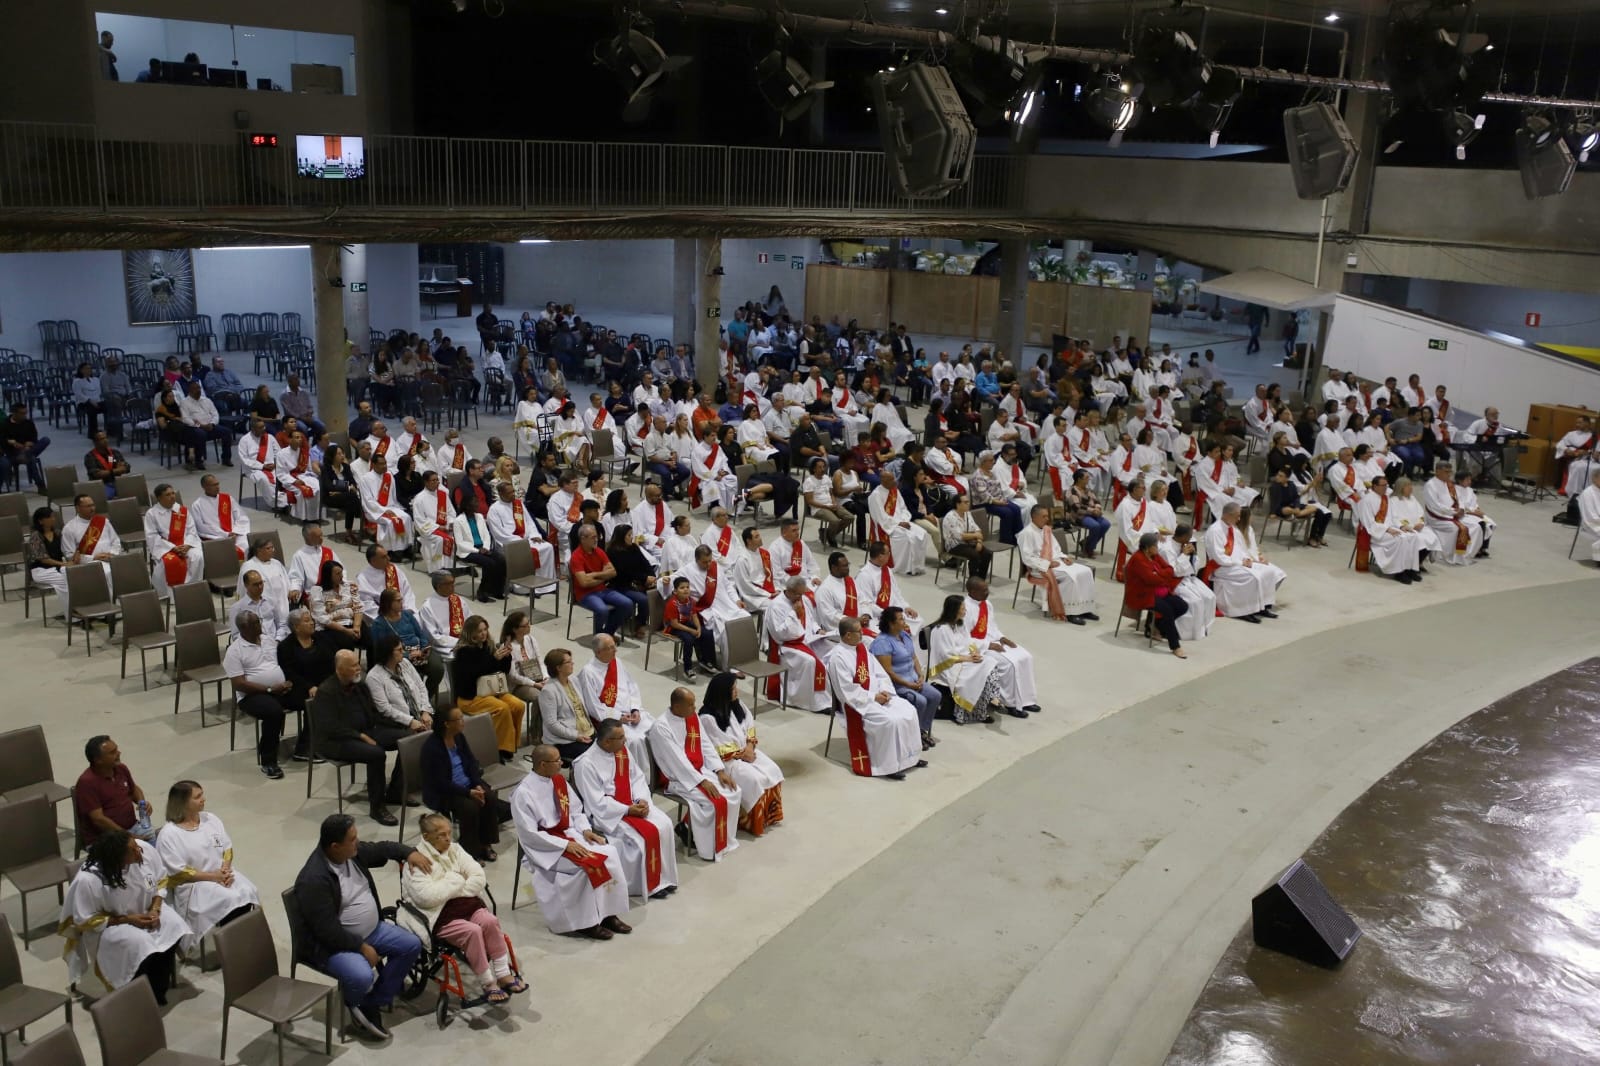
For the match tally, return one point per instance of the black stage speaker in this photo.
(927, 137)
(1295, 915)
(1547, 168)
(1322, 154)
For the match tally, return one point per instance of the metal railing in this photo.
(58, 166)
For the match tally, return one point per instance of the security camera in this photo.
(717, 272)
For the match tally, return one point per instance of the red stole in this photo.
(575, 511)
(393, 518)
(711, 458)
(623, 791)
(105, 461)
(796, 559)
(767, 584)
(608, 687)
(383, 447)
(891, 502)
(391, 576)
(302, 458)
(817, 384)
(518, 519)
(980, 629)
(885, 589)
(725, 540)
(91, 536)
(661, 517)
(460, 460)
(225, 513)
(599, 418)
(175, 566)
(1016, 475)
(1227, 547)
(851, 608)
(1138, 516)
(697, 759)
(819, 671)
(855, 728)
(1382, 514)
(1194, 449)
(1463, 538)
(261, 452)
(1216, 472)
(595, 865)
(1127, 466)
(709, 596)
(458, 616)
(1350, 475)
(448, 542)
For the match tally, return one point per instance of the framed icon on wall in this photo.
(160, 284)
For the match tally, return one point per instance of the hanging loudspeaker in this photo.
(927, 137)
(1322, 154)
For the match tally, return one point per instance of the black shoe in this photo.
(272, 770)
(921, 764)
(1076, 620)
(1016, 713)
(1483, 554)
(1404, 577)
(1254, 620)
(383, 817)
(1268, 612)
(1033, 708)
(368, 1022)
(898, 775)
(1090, 615)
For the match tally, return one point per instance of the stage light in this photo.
(639, 64)
(1431, 68)
(1332, 16)
(1214, 106)
(1170, 67)
(1115, 107)
(1582, 135)
(1461, 129)
(785, 84)
(993, 73)
(1547, 164)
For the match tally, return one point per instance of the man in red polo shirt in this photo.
(106, 795)
(592, 572)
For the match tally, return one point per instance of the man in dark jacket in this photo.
(348, 727)
(340, 925)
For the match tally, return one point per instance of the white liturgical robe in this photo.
(567, 898)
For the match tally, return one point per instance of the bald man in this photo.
(577, 876)
(346, 726)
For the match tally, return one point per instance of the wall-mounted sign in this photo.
(1438, 345)
(713, 312)
(797, 263)
(1531, 319)
(762, 257)
(358, 286)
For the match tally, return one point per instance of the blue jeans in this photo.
(669, 476)
(1011, 519)
(611, 608)
(397, 948)
(1095, 531)
(35, 468)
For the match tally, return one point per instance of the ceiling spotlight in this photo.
(941, 11)
(1214, 105)
(785, 84)
(1169, 65)
(1115, 108)
(1582, 135)
(1538, 128)
(994, 74)
(639, 63)
(1430, 66)
(1461, 129)
(1332, 16)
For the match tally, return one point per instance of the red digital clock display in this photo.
(263, 140)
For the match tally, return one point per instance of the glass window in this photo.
(176, 51)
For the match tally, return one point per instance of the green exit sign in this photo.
(1438, 345)
(358, 286)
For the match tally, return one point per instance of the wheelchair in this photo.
(440, 963)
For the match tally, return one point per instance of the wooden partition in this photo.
(849, 293)
(955, 306)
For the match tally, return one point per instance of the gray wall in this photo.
(1565, 317)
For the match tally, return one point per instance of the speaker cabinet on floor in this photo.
(1296, 916)
(1322, 154)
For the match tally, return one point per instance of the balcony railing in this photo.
(50, 166)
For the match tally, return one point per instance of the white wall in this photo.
(392, 301)
(1565, 317)
(591, 275)
(1376, 341)
(88, 287)
(746, 279)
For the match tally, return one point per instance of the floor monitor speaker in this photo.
(1296, 916)
(928, 139)
(1322, 154)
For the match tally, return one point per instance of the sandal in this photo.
(496, 996)
(517, 988)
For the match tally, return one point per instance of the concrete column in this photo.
(684, 291)
(708, 306)
(1010, 326)
(327, 306)
(353, 267)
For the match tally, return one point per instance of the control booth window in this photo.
(137, 48)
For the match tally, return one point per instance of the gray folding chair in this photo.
(197, 659)
(25, 769)
(58, 486)
(134, 486)
(479, 732)
(221, 561)
(523, 577)
(129, 574)
(11, 554)
(123, 513)
(31, 859)
(89, 600)
(128, 1025)
(58, 1047)
(193, 603)
(744, 655)
(251, 982)
(144, 627)
(409, 752)
(21, 1005)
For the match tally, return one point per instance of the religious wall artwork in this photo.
(160, 284)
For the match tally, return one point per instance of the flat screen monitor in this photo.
(183, 73)
(331, 156)
(227, 78)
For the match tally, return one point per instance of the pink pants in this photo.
(478, 936)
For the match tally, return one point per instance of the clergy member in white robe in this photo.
(879, 588)
(1134, 517)
(1068, 584)
(687, 758)
(1461, 534)
(197, 853)
(113, 951)
(299, 485)
(217, 516)
(651, 519)
(1244, 589)
(433, 514)
(1589, 513)
(1397, 551)
(173, 542)
(1180, 550)
(756, 577)
(715, 595)
(983, 626)
(608, 690)
(1406, 508)
(577, 876)
(977, 682)
(380, 574)
(731, 730)
(881, 729)
(890, 520)
(791, 637)
(1578, 448)
(380, 506)
(257, 452)
(616, 796)
(1217, 478)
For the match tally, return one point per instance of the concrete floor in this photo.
(1100, 854)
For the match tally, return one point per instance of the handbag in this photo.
(492, 685)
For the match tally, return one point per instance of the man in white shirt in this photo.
(408, 440)
(252, 599)
(251, 663)
(1068, 584)
(1397, 551)
(1577, 449)
(942, 371)
(793, 555)
(173, 542)
(1134, 517)
(616, 794)
(444, 614)
(218, 516)
(891, 523)
(651, 519)
(881, 728)
(380, 574)
(200, 417)
(791, 637)
(1019, 694)
(1257, 416)
(263, 559)
(878, 589)
(1348, 485)
(1334, 388)
(1463, 535)
(1217, 479)
(838, 597)
(563, 510)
